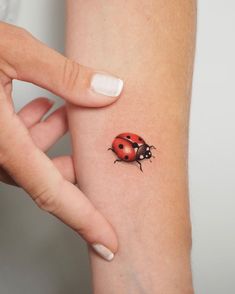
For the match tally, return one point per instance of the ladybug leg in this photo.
(117, 160)
(152, 147)
(140, 165)
(110, 149)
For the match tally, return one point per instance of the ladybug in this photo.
(130, 147)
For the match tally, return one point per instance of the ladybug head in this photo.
(147, 153)
(144, 152)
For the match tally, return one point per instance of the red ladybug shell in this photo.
(123, 149)
(132, 138)
(123, 146)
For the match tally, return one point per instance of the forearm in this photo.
(150, 45)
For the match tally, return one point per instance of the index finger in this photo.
(25, 58)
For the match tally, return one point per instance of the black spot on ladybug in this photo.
(126, 157)
(128, 137)
(135, 145)
(120, 146)
(140, 139)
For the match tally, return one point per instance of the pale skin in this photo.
(150, 45)
(24, 137)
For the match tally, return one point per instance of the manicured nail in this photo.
(103, 251)
(106, 85)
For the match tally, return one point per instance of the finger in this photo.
(64, 165)
(33, 112)
(34, 172)
(34, 62)
(46, 133)
(5, 178)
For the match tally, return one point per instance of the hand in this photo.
(45, 133)
(24, 58)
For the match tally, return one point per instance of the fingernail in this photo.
(103, 251)
(106, 85)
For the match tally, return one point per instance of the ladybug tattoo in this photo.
(131, 147)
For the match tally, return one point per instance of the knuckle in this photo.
(11, 37)
(23, 38)
(19, 33)
(12, 33)
(70, 74)
(46, 200)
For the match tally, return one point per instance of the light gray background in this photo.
(38, 254)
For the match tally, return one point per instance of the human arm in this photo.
(150, 45)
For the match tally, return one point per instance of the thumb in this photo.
(32, 61)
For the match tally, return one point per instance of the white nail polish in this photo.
(106, 85)
(103, 251)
